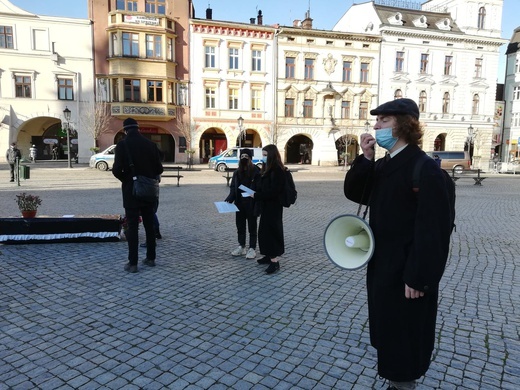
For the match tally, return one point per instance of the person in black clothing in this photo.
(411, 228)
(268, 195)
(11, 155)
(248, 175)
(146, 158)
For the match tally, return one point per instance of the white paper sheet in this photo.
(225, 207)
(247, 191)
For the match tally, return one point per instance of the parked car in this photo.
(103, 160)
(230, 157)
(452, 160)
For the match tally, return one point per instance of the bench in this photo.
(176, 170)
(467, 174)
(229, 175)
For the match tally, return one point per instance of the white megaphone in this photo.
(349, 242)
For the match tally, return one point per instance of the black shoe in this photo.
(264, 260)
(11, 180)
(273, 267)
(158, 235)
(149, 263)
(131, 268)
(143, 245)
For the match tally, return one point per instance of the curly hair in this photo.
(409, 129)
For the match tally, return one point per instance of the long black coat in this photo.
(270, 230)
(235, 195)
(412, 235)
(146, 157)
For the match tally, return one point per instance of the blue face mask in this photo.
(264, 159)
(385, 139)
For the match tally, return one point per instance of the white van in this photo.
(230, 157)
(103, 160)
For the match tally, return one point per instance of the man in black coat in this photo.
(146, 158)
(11, 155)
(412, 237)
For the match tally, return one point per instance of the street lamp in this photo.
(240, 122)
(367, 125)
(66, 114)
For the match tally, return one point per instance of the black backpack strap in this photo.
(416, 176)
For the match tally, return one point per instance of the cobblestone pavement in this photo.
(71, 318)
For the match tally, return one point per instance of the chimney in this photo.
(296, 23)
(252, 20)
(209, 13)
(260, 18)
(307, 22)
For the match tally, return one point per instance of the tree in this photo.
(186, 129)
(95, 117)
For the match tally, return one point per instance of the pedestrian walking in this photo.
(412, 237)
(32, 153)
(268, 196)
(145, 157)
(12, 155)
(247, 175)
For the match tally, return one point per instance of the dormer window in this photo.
(481, 17)
(444, 24)
(421, 21)
(397, 19)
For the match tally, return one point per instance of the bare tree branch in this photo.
(95, 117)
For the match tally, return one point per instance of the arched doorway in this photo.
(56, 135)
(249, 138)
(212, 142)
(298, 150)
(440, 142)
(164, 141)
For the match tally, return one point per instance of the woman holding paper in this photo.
(268, 195)
(247, 175)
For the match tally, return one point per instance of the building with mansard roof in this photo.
(46, 67)
(444, 55)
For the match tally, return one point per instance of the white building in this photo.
(326, 84)
(512, 99)
(46, 66)
(232, 77)
(445, 57)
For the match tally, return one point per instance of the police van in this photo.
(230, 157)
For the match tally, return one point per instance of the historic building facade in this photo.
(46, 67)
(512, 100)
(232, 84)
(142, 70)
(444, 56)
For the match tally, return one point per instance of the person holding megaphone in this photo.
(411, 229)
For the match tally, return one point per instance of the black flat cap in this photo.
(130, 123)
(397, 107)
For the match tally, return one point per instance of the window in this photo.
(422, 101)
(347, 71)
(171, 93)
(155, 7)
(130, 45)
(345, 109)
(170, 53)
(481, 17)
(115, 47)
(307, 108)
(132, 90)
(155, 91)
(6, 37)
(289, 108)
(446, 103)
(233, 98)
(256, 100)
(153, 46)
(424, 63)
(256, 59)
(209, 59)
(128, 5)
(22, 86)
(448, 62)
(289, 67)
(398, 94)
(309, 69)
(478, 67)
(363, 77)
(476, 101)
(233, 58)
(210, 97)
(516, 93)
(65, 89)
(399, 61)
(363, 110)
(516, 66)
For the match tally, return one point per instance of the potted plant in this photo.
(28, 204)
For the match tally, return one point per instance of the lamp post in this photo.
(240, 122)
(66, 114)
(367, 126)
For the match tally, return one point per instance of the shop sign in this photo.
(149, 21)
(50, 141)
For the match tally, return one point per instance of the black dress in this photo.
(270, 231)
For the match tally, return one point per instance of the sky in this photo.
(325, 14)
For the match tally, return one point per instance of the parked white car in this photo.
(103, 160)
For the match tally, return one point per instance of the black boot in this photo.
(264, 260)
(273, 267)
